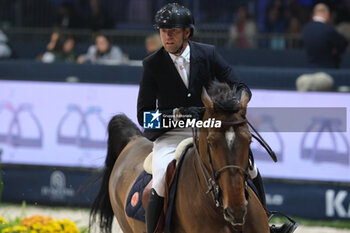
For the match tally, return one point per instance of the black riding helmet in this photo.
(174, 15)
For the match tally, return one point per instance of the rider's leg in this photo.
(260, 187)
(162, 156)
(153, 210)
(163, 153)
(287, 227)
(258, 183)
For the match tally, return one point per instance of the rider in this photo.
(171, 83)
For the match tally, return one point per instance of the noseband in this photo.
(212, 179)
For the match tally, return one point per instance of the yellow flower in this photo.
(7, 230)
(55, 226)
(2, 221)
(68, 226)
(36, 226)
(41, 224)
(15, 229)
(29, 221)
(19, 229)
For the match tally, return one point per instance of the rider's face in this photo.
(172, 38)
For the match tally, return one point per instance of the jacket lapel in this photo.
(194, 68)
(169, 67)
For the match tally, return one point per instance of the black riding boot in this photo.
(257, 181)
(153, 210)
(287, 227)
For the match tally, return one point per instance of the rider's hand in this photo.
(189, 113)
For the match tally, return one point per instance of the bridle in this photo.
(211, 178)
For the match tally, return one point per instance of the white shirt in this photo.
(319, 19)
(186, 56)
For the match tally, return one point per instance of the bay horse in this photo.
(212, 193)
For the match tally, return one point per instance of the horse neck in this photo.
(193, 206)
(198, 186)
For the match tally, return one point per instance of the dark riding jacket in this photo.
(162, 88)
(323, 45)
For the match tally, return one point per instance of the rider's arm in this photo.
(147, 96)
(225, 73)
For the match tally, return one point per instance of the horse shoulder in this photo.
(257, 220)
(195, 211)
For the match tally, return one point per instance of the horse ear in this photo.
(208, 103)
(244, 100)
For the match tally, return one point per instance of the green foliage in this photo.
(83, 229)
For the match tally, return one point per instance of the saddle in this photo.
(140, 191)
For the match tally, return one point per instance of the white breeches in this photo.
(163, 153)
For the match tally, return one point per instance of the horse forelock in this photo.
(224, 97)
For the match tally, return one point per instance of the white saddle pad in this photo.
(147, 164)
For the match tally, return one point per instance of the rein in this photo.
(262, 142)
(212, 180)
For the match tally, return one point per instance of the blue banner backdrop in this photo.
(50, 185)
(78, 187)
(316, 200)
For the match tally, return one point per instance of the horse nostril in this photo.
(228, 214)
(234, 216)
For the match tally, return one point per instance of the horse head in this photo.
(224, 150)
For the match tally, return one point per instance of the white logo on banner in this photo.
(274, 199)
(57, 188)
(336, 204)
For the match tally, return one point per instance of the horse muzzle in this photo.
(236, 218)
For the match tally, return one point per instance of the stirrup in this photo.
(273, 213)
(294, 223)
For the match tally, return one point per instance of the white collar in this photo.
(185, 54)
(319, 19)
